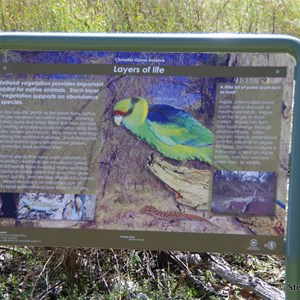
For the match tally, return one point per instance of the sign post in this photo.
(292, 251)
(104, 135)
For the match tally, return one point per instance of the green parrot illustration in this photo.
(171, 131)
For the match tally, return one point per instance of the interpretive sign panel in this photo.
(145, 150)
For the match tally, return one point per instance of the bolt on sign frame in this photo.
(128, 56)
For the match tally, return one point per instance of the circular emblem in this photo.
(271, 245)
(253, 243)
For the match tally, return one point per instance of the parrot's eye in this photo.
(129, 111)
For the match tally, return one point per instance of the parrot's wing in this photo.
(174, 126)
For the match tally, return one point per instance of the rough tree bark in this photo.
(189, 185)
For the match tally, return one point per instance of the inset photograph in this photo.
(68, 207)
(243, 193)
(8, 205)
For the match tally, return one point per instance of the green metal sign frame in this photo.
(239, 43)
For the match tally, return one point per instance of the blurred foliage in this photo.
(256, 16)
(67, 273)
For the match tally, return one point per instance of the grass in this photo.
(30, 273)
(67, 273)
